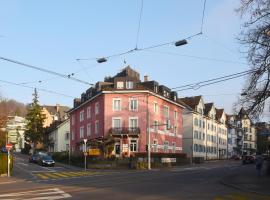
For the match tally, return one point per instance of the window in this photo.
(129, 85)
(245, 137)
(203, 136)
(245, 145)
(67, 135)
(200, 123)
(196, 122)
(81, 116)
(88, 112)
(133, 122)
(73, 120)
(120, 85)
(250, 137)
(133, 104)
(200, 135)
(175, 115)
(133, 145)
(116, 123)
(89, 131)
(96, 127)
(196, 134)
(156, 89)
(116, 104)
(200, 111)
(173, 147)
(96, 108)
(203, 124)
(166, 146)
(81, 132)
(166, 111)
(156, 126)
(155, 108)
(155, 146)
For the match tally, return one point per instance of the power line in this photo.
(70, 76)
(139, 25)
(200, 84)
(41, 89)
(197, 57)
(204, 3)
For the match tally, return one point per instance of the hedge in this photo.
(3, 163)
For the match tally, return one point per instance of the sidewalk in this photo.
(249, 182)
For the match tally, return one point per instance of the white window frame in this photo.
(131, 145)
(129, 84)
(155, 107)
(88, 112)
(120, 104)
(97, 108)
(155, 126)
(175, 115)
(89, 129)
(97, 127)
(173, 147)
(168, 111)
(116, 118)
(72, 135)
(166, 144)
(129, 122)
(81, 115)
(118, 85)
(82, 132)
(130, 104)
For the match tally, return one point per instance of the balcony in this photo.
(131, 131)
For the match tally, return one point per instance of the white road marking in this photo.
(47, 194)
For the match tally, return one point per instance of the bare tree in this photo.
(255, 36)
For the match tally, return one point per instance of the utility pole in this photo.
(85, 153)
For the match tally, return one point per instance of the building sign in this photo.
(94, 152)
(168, 160)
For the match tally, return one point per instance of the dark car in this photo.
(34, 158)
(46, 161)
(247, 159)
(3, 150)
(235, 157)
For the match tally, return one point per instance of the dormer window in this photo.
(156, 89)
(129, 85)
(120, 85)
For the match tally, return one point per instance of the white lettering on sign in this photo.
(168, 160)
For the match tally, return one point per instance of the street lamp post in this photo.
(85, 153)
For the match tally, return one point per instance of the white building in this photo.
(204, 130)
(16, 128)
(59, 137)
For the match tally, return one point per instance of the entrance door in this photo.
(117, 149)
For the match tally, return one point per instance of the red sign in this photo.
(8, 146)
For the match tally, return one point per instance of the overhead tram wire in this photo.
(139, 26)
(136, 49)
(41, 89)
(70, 76)
(200, 84)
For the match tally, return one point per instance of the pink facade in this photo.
(120, 113)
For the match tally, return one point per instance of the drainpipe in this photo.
(148, 134)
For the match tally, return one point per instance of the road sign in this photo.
(8, 146)
(94, 152)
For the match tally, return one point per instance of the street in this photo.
(31, 181)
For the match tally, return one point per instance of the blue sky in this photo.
(53, 34)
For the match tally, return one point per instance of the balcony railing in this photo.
(125, 131)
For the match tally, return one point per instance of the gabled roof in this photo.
(207, 108)
(219, 113)
(191, 101)
(58, 110)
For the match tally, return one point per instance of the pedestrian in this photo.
(259, 164)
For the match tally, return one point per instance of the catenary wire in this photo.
(45, 70)
(139, 25)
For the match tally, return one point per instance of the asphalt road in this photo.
(191, 182)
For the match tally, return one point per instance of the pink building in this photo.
(123, 107)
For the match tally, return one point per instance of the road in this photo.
(31, 181)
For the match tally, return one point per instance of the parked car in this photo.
(3, 150)
(235, 157)
(46, 161)
(247, 159)
(34, 158)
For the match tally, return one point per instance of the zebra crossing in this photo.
(42, 194)
(65, 175)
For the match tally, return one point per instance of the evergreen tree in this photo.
(35, 118)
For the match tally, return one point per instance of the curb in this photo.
(223, 182)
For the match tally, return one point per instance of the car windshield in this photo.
(47, 158)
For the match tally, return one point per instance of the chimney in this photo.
(57, 107)
(145, 78)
